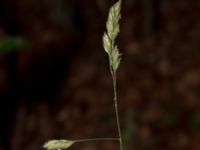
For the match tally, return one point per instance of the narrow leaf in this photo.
(58, 144)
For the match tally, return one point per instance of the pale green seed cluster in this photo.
(109, 37)
(58, 144)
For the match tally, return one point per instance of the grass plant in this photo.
(111, 49)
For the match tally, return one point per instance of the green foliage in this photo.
(194, 122)
(11, 43)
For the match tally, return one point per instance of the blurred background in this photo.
(55, 80)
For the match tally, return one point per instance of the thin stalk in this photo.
(96, 139)
(113, 73)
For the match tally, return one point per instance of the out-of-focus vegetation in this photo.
(10, 43)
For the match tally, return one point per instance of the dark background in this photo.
(55, 83)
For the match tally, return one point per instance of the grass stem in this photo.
(96, 139)
(113, 73)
